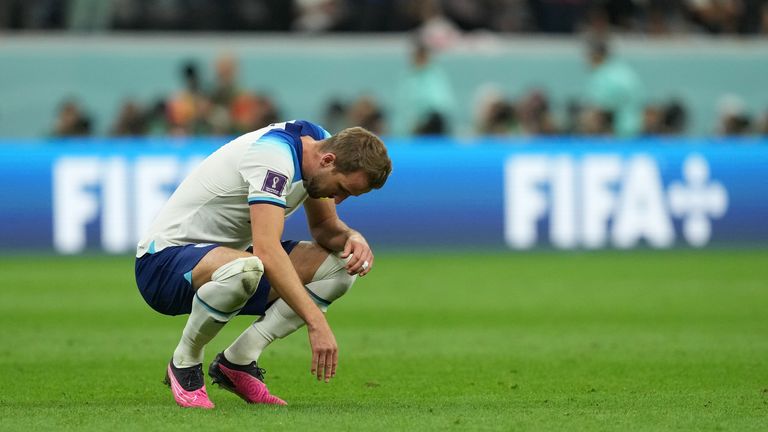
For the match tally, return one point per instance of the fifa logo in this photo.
(602, 200)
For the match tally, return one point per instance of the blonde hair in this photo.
(358, 149)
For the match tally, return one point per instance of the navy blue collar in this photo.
(301, 128)
(296, 132)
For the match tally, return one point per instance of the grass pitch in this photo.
(544, 341)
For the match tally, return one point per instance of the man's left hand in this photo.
(360, 255)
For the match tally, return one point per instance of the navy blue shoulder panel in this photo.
(310, 129)
(294, 143)
(292, 134)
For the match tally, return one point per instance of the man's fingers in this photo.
(315, 360)
(324, 352)
(363, 266)
(335, 363)
(360, 261)
(318, 365)
(324, 365)
(347, 250)
(354, 260)
(328, 366)
(366, 268)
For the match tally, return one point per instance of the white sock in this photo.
(214, 304)
(201, 327)
(330, 282)
(278, 321)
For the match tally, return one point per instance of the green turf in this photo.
(544, 341)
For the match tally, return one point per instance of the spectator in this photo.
(157, 118)
(432, 124)
(615, 88)
(235, 110)
(675, 118)
(226, 87)
(251, 111)
(557, 16)
(659, 15)
(572, 123)
(715, 16)
(534, 115)
(436, 31)
(335, 115)
(71, 120)
(188, 109)
(762, 126)
(379, 16)
(494, 114)
(734, 118)
(665, 119)
(32, 14)
(764, 19)
(653, 118)
(425, 99)
(131, 121)
(501, 119)
(90, 15)
(439, 21)
(318, 15)
(366, 113)
(594, 121)
(754, 14)
(223, 95)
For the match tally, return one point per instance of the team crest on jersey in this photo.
(274, 183)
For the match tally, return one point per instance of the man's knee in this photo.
(244, 273)
(331, 281)
(214, 260)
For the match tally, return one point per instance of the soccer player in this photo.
(196, 258)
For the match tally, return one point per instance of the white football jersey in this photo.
(212, 205)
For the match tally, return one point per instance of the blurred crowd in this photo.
(614, 104)
(223, 108)
(654, 17)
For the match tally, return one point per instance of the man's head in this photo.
(352, 162)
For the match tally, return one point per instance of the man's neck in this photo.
(310, 153)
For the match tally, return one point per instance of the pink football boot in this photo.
(245, 381)
(188, 386)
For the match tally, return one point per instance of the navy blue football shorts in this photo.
(164, 279)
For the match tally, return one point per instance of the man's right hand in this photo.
(267, 227)
(325, 352)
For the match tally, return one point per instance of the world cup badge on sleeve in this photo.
(274, 183)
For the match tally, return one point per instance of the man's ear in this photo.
(328, 159)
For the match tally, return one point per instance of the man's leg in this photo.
(325, 279)
(224, 280)
(236, 369)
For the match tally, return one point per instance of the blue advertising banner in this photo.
(77, 195)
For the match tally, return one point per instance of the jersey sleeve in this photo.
(268, 168)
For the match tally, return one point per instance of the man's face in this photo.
(330, 183)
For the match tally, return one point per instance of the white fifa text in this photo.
(601, 200)
(116, 196)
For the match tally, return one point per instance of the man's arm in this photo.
(332, 233)
(267, 223)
